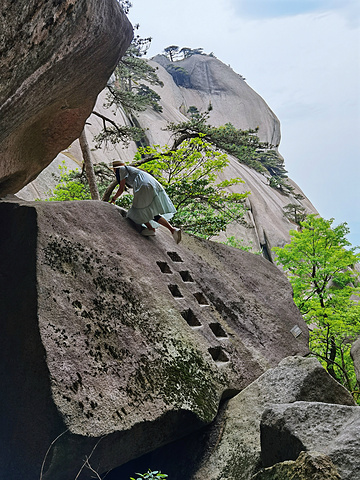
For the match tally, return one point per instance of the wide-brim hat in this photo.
(117, 164)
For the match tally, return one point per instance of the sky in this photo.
(303, 58)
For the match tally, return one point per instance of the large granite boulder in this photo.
(231, 448)
(333, 430)
(113, 339)
(55, 57)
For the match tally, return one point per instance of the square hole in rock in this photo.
(174, 289)
(218, 354)
(164, 267)
(191, 318)
(217, 330)
(175, 257)
(200, 298)
(185, 275)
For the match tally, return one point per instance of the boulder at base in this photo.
(288, 429)
(230, 448)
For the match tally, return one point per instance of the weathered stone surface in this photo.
(47, 88)
(230, 448)
(308, 466)
(109, 335)
(330, 429)
(355, 355)
(211, 81)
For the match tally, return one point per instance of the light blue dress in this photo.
(150, 198)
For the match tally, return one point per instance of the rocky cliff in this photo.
(208, 80)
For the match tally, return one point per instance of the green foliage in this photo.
(319, 262)
(242, 144)
(131, 92)
(171, 52)
(129, 89)
(68, 188)
(193, 111)
(295, 213)
(189, 173)
(149, 475)
(114, 134)
(188, 52)
(73, 185)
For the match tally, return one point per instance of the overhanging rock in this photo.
(55, 58)
(123, 342)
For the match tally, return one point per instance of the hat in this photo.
(117, 163)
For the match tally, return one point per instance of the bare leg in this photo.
(175, 232)
(166, 224)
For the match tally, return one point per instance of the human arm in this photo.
(119, 191)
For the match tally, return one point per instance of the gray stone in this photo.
(108, 335)
(329, 429)
(232, 99)
(355, 355)
(308, 466)
(230, 448)
(55, 59)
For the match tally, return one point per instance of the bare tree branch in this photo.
(47, 453)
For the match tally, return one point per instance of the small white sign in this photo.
(296, 331)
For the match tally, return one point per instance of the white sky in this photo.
(303, 58)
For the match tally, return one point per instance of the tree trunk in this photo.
(331, 359)
(89, 169)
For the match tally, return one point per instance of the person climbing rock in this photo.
(151, 205)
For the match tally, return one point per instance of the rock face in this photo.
(107, 335)
(208, 80)
(329, 429)
(47, 88)
(231, 448)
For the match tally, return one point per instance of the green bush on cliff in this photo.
(68, 188)
(149, 475)
(73, 185)
(189, 174)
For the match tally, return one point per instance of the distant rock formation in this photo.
(210, 81)
(108, 335)
(47, 89)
